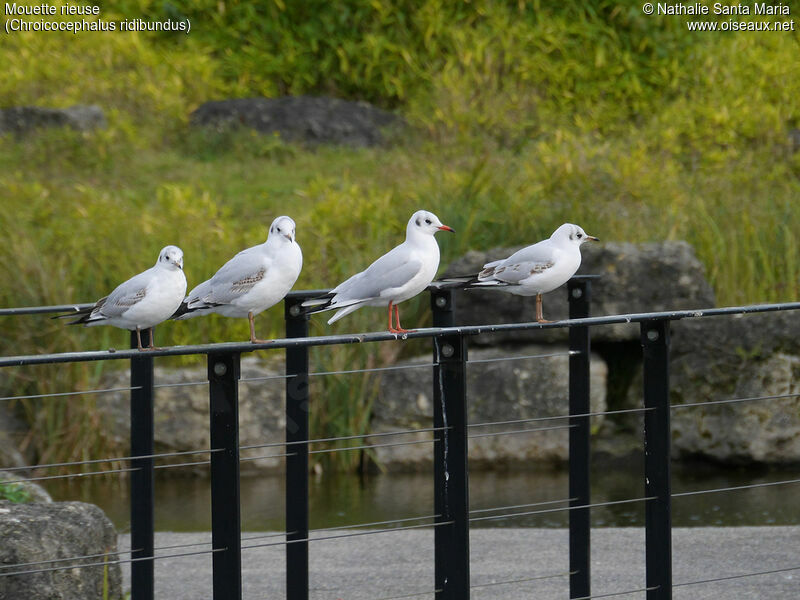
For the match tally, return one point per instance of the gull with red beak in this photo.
(398, 275)
(252, 281)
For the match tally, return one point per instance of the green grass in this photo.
(14, 492)
(522, 117)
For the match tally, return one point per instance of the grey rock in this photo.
(41, 532)
(497, 390)
(317, 120)
(746, 356)
(182, 418)
(37, 493)
(23, 119)
(634, 278)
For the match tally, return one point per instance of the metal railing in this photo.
(450, 434)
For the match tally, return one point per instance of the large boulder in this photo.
(721, 358)
(23, 119)
(36, 532)
(534, 384)
(181, 411)
(316, 120)
(633, 278)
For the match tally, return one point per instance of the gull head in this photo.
(282, 229)
(171, 257)
(425, 222)
(571, 234)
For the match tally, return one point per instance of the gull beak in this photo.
(289, 236)
(180, 264)
(446, 228)
(591, 237)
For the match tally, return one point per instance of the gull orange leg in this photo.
(152, 339)
(539, 316)
(399, 328)
(139, 339)
(253, 338)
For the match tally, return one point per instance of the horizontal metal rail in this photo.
(383, 336)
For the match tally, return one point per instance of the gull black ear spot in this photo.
(418, 222)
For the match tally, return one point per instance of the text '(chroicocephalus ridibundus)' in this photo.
(142, 302)
(398, 275)
(536, 269)
(252, 281)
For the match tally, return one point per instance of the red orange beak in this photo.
(446, 228)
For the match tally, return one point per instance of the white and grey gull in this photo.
(252, 281)
(143, 301)
(534, 270)
(398, 275)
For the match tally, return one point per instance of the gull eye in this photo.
(427, 221)
(580, 235)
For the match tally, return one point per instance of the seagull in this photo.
(252, 281)
(398, 275)
(142, 302)
(536, 269)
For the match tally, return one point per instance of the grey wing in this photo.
(520, 265)
(125, 295)
(390, 271)
(234, 279)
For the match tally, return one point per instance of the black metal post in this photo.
(579, 295)
(297, 433)
(142, 481)
(443, 308)
(658, 512)
(226, 538)
(450, 466)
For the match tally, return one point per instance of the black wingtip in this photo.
(82, 315)
(181, 310)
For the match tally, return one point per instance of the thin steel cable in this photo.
(188, 464)
(734, 400)
(509, 358)
(404, 520)
(483, 510)
(736, 487)
(524, 580)
(356, 526)
(282, 455)
(71, 558)
(612, 594)
(517, 431)
(555, 417)
(110, 471)
(266, 535)
(740, 576)
(435, 591)
(60, 394)
(344, 437)
(347, 535)
(118, 458)
(266, 378)
(345, 372)
(567, 508)
(112, 562)
(371, 446)
(180, 384)
(373, 369)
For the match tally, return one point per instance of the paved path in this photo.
(373, 567)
